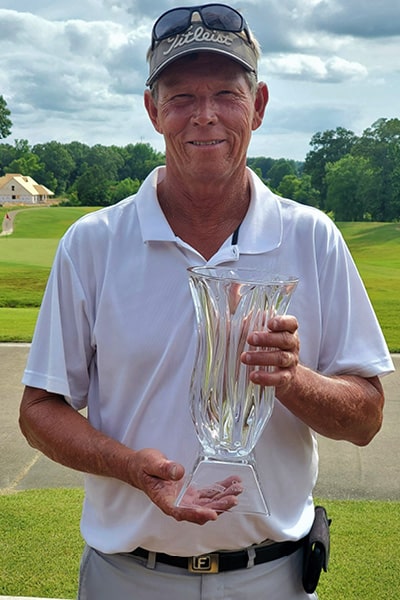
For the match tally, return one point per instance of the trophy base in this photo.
(205, 484)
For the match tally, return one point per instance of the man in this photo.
(116, 334)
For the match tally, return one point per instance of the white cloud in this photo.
(76, 70)
(313, 68)
(73, 65)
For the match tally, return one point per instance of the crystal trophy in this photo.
(229, 411)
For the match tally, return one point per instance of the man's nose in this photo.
(204, 112)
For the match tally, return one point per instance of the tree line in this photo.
(353, 178)
(81, 174)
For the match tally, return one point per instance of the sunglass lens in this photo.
(222, 18)
(172, 23)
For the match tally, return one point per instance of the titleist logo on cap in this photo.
(198, 35)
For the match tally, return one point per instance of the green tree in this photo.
(93, 187)
(108, 159)
(80, 155)
(25, 161)
(123, 189)
(289, 186)
(21, 147)
(299, 189)
(262, 163)
(5, 121)
(7, 155)
(279, 169)
(350, 187)
(28, 164)
(140, 160)
(307, 194)
(58, 165)
(327, 147)
(380, 145)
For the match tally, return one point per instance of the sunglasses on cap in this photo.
(214, 16)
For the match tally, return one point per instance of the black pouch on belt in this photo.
(316, 550)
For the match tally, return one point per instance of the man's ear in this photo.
(260, 104)
(152, 109)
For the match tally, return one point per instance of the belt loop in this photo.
(251, 553)
(151, 560)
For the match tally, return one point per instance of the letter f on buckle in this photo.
(206, 563)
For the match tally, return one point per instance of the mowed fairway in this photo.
(376, 250)
(27, 254)
(25, 260)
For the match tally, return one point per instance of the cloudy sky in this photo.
(75, 70)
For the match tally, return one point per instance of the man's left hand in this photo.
(276, 353)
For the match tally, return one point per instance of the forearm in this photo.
(56, 429)
(64, 435)
(344, 407)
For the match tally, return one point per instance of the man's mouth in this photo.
(210, 143)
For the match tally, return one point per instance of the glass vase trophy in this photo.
(229, 411)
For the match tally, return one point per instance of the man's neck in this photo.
(204, 215)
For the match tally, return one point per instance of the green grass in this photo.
(41, 547)
(365, 557)
(25, 260)
(22, 285)
(28, 252)
(45, 222)
(26, 257)
(376, 250)
(41, 543)
(17, 324)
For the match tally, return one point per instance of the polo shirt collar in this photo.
(153, 224)
(260, 231)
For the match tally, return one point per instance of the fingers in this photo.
(218, 497)
(198, 516)
(222, 504)
(164, 493)
(279, 334)
(281, 359)
(273, 368)
(229, 486)
(276, 352)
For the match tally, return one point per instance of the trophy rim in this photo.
(243, 275)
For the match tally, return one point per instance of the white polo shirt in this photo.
(116, 332)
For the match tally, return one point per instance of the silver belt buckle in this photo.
(206, 563)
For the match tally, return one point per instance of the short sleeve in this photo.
(61, 352)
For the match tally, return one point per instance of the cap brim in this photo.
(168, 51)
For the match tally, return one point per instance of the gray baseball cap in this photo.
(198, 38)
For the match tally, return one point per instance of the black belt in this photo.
(225, 561)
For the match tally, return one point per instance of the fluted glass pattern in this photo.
(228, 410)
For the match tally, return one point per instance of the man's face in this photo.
(206, 112)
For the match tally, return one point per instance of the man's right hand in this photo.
(79, 446)
(161, 480)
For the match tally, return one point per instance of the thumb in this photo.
(172, 470)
